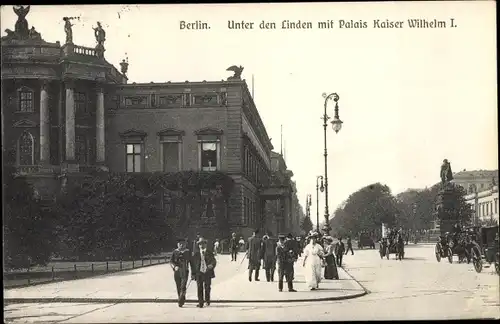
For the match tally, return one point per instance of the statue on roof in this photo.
(237, 72)
(33, 34)
(21, 27)
(68, 30)
(100, 34)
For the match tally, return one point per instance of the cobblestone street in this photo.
(416, 288)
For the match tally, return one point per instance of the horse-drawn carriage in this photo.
(486, 248)
(458, 244)
(393, 244)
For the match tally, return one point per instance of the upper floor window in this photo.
(26, 98)
(171, 149)
(209, 152)
(133, 141)
(80, 102)
(81, 149)
(25, 149)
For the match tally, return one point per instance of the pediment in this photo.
(171, 132)
(209, 131)
(24, 89)
(25, 123)
(133, 133)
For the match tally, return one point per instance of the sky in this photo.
(409, 98)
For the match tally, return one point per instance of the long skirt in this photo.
(331, 268)
(313, 271)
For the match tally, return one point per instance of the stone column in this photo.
(100, 140)
(44, 123)
(70, 121)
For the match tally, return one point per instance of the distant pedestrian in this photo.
(180, 261)
(242, 244)
(216, 247)
(233, 247)
(313, 255)
(195, 244)
(269, 257)
(202, 265)
(349, 246)
(254, 255)
(339, 251)
(286, 259)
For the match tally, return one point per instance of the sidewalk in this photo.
(156, 284)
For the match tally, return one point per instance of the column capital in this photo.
(69, 83)
(44, 84)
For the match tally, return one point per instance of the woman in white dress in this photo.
(313, 256)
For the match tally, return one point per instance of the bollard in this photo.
(121, 265)
(142, 262)
(133, 264)
(75, 270)
(28, 271)
(107, 266)
(92, 267)
(53, 274)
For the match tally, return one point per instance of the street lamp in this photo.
(322, 188)
(337, 126)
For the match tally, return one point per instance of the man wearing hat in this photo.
(180, 260)
(195, 243)
(286, 258)
(233, 247)
(203, 264)
(269, 251)
(254, 255)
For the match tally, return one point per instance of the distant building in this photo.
(484, 204)
(477, 180)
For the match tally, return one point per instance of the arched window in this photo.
(25, 149)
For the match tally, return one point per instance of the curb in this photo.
(359, 283)
(168, 300)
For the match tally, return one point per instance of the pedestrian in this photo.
(180, 262)
(339, 251)
(254, 255)
(330, 263)
(195, 243)
(269, 257)
(203, 271)
(349, 246)
(313, 255)
(216, 247)
(242, 244)
(293, 244)
(233, 247)
(286, 258)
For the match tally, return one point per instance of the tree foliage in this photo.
(306, 225)
(417, 208)
(28, 229)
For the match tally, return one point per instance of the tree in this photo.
(28, 229)
(306, 225)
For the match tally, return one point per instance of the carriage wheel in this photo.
(437, 251)
(477, 261)
(450, 255)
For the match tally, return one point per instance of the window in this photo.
(134, 157)
(171, 153)
(81, 149)
(209, 153)
(25, 149)
(26, 101)
(80, 102)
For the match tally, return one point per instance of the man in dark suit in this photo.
(269, 259)
(233, 247)
(254, 255)
(203, 265)
(286, 259)
(195, 243)
(339, 250)
(180, 261)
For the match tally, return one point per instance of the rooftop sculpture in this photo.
(237, 72)
(21, 30)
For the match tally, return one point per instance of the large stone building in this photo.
(66, 111)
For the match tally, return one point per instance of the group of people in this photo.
(198, 264)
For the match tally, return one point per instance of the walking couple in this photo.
(314, 259)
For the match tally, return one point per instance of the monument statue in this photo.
(21, 26)
(100, 35)
(33, 34)
(68, 30)
(446, 174)
(237, 72)
(124, 66)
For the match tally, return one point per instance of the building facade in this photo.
(66, 111)
(477, 180)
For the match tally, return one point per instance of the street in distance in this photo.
(327, 24)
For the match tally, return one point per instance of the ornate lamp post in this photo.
(322, 188)
(337, 126)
